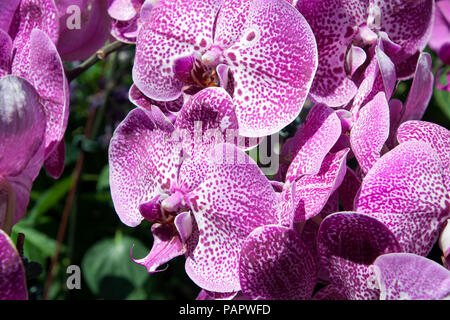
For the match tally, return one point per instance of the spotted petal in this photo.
(332, 22)
(314, 140)
(406, 276)
(405, 190)
(47, 75)
(348, 243)
(234, 199)
(370, 131)
(436, 136)
(12, 273)
(5, 53)
(143, 159)
(273, 65)
(275, 264)
(174, 29)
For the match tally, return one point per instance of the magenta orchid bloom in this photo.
(346, 31)
(22, 129)
(406, 276)
(245, 47)
(203, 197)
(128, 16)
(28, 50)
(84, 27)
(12, 273)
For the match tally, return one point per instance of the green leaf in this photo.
(109, 271)
(103, 179)
(442, 96)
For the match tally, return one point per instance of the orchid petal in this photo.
(124, 9)
(320, 132)
(12, 272)
(272, 77)
(234, 199)
(370, 131)
(349, 189)
(141, 101)
(173, 30)
(22, 124)
(54, 164)
(166, 246)
(7, 10)
(406, 276)
(48, 77)
(143, 160)
(5, 53)
(348, 243)
(276, 264)
(330, 292)
(405, 190)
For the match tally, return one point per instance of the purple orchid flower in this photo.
(204, 197)
(128, 16)
(29, 51)
(405, 276)
(346, 31)
(22, 129)
(243, 46)
(79, 39)
(12, 272)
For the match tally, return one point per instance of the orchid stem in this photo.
(98, 56)
(10, 205)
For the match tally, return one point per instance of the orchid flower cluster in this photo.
(362, 191)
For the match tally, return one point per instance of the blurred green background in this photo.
(95, 239)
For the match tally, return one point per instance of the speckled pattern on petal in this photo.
(348, 189)
(273, 65)
(315, 139)
(405, 190)
(5, 53)
(276, 265)
(12, 272)
(48, 77)
(333, 22)
(31, 14)
(348, 243)
(140, 100)
(174, 29)
(54, 164)
(436, 136)
(234, 199)
(143, 159)
(312, 191)
(370, 131)
(405, 276)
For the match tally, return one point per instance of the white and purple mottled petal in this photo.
(230, 22)
(143, 160)
(140, 100)
(166, 246)
(436, 136)
(333, 22)
(12, 272)
(234, 199)
(275, 264)
(210, 295)
(406, 276)
(22, 124)
(174, 29)
(318, 135)
(313, 191)
(370, 131)
(47, 75)
(405, 190)
(349, 189)
(348, 243)
(124, 9)
(31, 14)
(273, 65)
